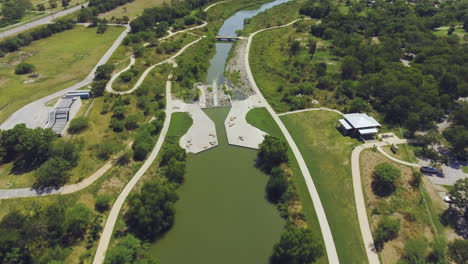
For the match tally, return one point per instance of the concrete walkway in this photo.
(41, 21)
(117, 206)
(359, 195)
(322, 218)
(310, 109)
(36, 113)
(238, 131)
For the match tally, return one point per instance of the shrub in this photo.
(385, 176)
(24, 68)
(103, 202)
(117, 125)
(131, 122)
(125, 157)
(126, 76)
(175, 170)
(458, 251)
(102, 28)
(106, 149)
(297, 245)
(52, 174)
(98, 88)
(415, 251)
(387, 230)
(78, 124)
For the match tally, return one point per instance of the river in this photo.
(222, 215)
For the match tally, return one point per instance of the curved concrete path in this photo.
(359, 194)
(379, 148)
(149, 69)
(322, 218)
(41, 21)
(35, 114)
(117, 206)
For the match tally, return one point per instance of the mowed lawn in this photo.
(60, 60)
(260, 118)
(133, 9)
(327, 154)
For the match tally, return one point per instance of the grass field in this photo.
(60, 60)
(133, 9)
(405, 152)
(465, 169)
(260, 118)
(327, 154)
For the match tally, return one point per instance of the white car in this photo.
(448, 199)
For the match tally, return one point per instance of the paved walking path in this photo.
(359, 195)
(117, 206)
(41, 21)
(322, 218)
(310, 109)
(35, 114)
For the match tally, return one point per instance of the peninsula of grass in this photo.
(405, 152)
(260, 118)
(58, 64)
(327, 155)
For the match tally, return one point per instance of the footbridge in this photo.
(228, 38)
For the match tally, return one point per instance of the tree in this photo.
(358, 105)
(126, 76)
(24, 68)
(15, 10)
(69, 150)
(312, 47)
(415, 251)
(385, 176)
(98, 88)
(297, 246)
(102, 28)
(53, 3)
(439, 250)
(65, 3)
(387, 230)
(273, 152)
(458, 251)
(277, 184)
(104, 72)
(459, 193)
(350, 68)
(52, 174)
(151, 212)
(175, 170)
(295, 48)
(77, 220)
(41, 7)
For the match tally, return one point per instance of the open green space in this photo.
(405, 152)
(133, 9)
(260, 118)
(58, 64)
(327, 154)
(465, 169)
(222, 215)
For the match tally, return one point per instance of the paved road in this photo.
(40, 21)
(322, 218)
(35, 114)
(114, 213)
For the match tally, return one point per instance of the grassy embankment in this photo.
(58, 63)
(417, 209)
(260, 118)
(327, 154)
(133, 9)
(275, 69)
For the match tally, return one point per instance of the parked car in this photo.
(448, 199)
(429, 170)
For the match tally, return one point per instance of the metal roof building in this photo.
(358, 124)
(65, 109)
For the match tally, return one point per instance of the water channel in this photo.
(222, 215)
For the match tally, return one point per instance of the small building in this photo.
(358, 125)
(65, 109)
(83, 94)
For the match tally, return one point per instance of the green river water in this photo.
(222, 215)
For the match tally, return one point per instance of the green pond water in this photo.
(222, 215)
